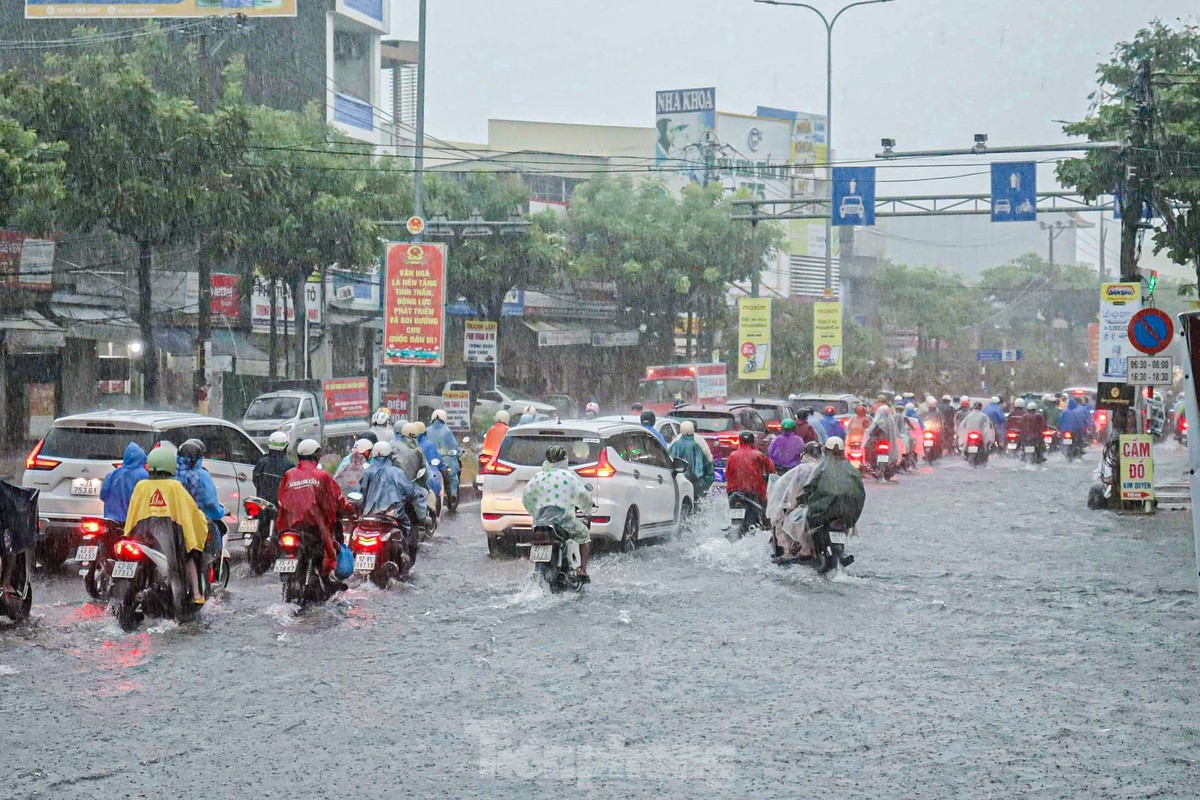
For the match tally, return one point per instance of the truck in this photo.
(671, 385)
(489, 401)
(340, 413)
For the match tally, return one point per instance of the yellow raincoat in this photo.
(168, 498)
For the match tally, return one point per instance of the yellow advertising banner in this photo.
(827, 336)
(149, 9)
(1137, 466)
(754, 338)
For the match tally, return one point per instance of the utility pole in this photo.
(418, 175)
(1102, 235)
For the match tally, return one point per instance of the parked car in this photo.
(773, 412)
(489, 402)
(843, 404)
(68, 466)
(298, 414)
(640, 493)
(720, 426)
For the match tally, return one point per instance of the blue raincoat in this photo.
(433, 476)
(699, 468)
(1074, 419)
(446, 443)
(831, 427)
(200, 486)
(996, 414)
(118, 484)
(911, 413)
(385, 485)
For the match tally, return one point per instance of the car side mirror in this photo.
(679, 466)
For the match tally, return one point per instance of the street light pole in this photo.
(418, 175)
(829, 23)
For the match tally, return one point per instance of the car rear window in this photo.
(530, 451)
(707, 421)
(818, 404)
(94, 444)
(770, 413)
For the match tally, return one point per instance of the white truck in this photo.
(302, 415)
(489, 401)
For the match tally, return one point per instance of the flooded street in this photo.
(994, 639)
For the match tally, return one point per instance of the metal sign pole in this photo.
(1190, 323)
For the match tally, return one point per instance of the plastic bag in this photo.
(345, 563)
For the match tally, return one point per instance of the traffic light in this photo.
(1151, 283)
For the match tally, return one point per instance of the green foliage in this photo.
(31, 178)
(933, 304)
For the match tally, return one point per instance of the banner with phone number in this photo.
(346, 398)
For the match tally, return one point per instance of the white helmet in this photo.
(502, 416)
(308, 448)
(383, 449)
(362, 446)
(964, 399)
(899, 399)
(1031, 407)
(995, 400)
(835, 443)
(687, 428)
(419, 427)
(409, 429)
(1020, 403)
(438, 414)
(931, 401)
(381, 417)
(278, 441)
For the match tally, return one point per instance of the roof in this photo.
(758, 401)
(601, 426)
(146, 420)
(715, 408)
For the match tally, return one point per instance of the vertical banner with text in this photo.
(479, 341)
(754, 338)
(457, 405)
(1118, 303)
(827, 336)
(414, 305)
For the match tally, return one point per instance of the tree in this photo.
(1149, 98)
(935, 305)
(31, 178)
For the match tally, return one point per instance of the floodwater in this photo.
(994, 639)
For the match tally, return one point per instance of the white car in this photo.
(639, 492)
(68, 466)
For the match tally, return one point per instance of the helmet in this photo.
(191, 450)
(409, 429)
(687, 428)
(805, 412)
(381, 449)
(910, 406)
(947, 398)
(966, 402)
(1020, 403)
(593, 408)
(1047, 398)
(813, 449)
(636, 408)
(648, 418)
(381, 417)
(995, 400)
(746, 437)
(309, 448)
(278, 441)
(419, 427)
(931, 401)
(899, 398)
(530, 410)
(793, 396)
(835, 443)
(1031, 407)
(363, 446)
(788, 425)
(830, 411)
(502, 416)
(556, 453)
(162, 459)
(439, 414)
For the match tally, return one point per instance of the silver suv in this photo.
(68, 466)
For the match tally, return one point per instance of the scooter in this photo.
(1074, 447)
(94, 554)
(830, 544)
(384, 545)
(1051, 441)
(976, 452)
(301, 556)
(877, 456)
(1012, 444)
(263, 547)
(933, 446)
(745, 513)
(556, 556)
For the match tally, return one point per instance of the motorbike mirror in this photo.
(420, 473)
(679, 465)
(437, 462)
(466, 440)
(355, 498)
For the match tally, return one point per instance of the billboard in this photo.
(226, 300)
(754, 338)
(260, 305)
(685, 120)
(479, 341)
(118, 9)
(827, 336)
(346, 398)
(414, 305)
(1118, 303)
(25, 261)
(757, 155)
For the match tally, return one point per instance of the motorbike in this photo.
(1051, 441)
(745, 513)
(383, 544)
(298, 565)
(933, 445)
(450, 467)
(1181, 430)
(854, 453)
(94, 554)
(976, 453)
(149, 574)
(830, 544)
(1073, 446)
(1012, 444)
(263, 547)
(556, 556)
(877, 458)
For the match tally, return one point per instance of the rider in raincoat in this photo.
(118, 485)
(557, 487)
(385, 486)
(433, 475)
(350, 472)
(835, 491)
(996, 414)
(976, 420)
(700, 464)
(1075, 419)
(440, 435)
(913, 430)
(784, 509)
(885, 428)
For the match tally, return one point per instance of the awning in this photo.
(225, 344)
(29, 332)
(557, 334)
(86, 319)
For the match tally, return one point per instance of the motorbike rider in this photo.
(827, 423)
(592, 411)
(1050, 409)
(493, 439)
(931, 415)
(309, 499)
(699, 460)
(199, 483)
(946, 406)
(1075, 420)
(528, 415)
(787, 448)
(747, 469)
(383, 425)
(648, 419)
(913, 430)
(350, 472)
(557, 486)
(433, 477)
(440, 435)
(995, 412)
(792, 539)
(385, 486)
(1015, 421)
(161, 495)
(977, 421)
(118, 485)
(407, 453)
(269, 471)
(1032, 425)
(856, 428)
(835, 491)
(884, 428)
(804, 428)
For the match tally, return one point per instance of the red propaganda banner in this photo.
(414, 305)
(346, 398)
(397, 403)
(226, 300)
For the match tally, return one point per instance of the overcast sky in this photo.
(929, 73)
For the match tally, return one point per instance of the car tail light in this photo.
(252, 509)
(289, 541)
(498, 467)
(367, 542)
(36, 461)
(128, 550)
(600, 520)
(775, 427)
(601, 469)
(491, 517)
(91, 527)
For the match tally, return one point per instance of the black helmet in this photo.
(805, 412)
(648, 417)
(556, 453)
(813, 449)
(746, 437)
(192, 450)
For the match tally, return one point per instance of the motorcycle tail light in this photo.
(1012, 436)
(1183, 426)
(884, 447)
(974, 436)
(367, 542)
(929, 436)
(289, 541)
(252, 509)
(128, 550)
(1047, 433)
(601, 469)
(1068, 436)
(91, 528)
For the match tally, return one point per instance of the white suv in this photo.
(639, 492)
(68, 466)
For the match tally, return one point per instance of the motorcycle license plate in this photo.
(837, 537)
(124, 569)
(882, 459)
(86, 553)
(248, 526)
(972, 449)
(1046, 440)
(285, 565)
(540, 553)
(737, 514)
(1029, 448)
(1012, 445)
(364, 562)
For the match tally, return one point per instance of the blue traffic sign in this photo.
(853, 196)
(989, 355)
(1014, 191)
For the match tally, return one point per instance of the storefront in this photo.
(30, 369)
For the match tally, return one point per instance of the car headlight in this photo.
(287, 427)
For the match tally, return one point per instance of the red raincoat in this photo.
(744, 472)
(310, 498)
